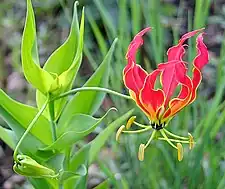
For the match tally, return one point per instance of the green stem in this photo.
(52, 119)
(29, 128)
(67, 158)
(81, 89)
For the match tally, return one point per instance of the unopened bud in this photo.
(119, 131)
(130, 122)
(180, 151)
(24, 165)
(191, 141)
(141, 152)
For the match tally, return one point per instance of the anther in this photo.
(141, 152)
(180, 151)
(191, 141)
(119, 131)
(130, 122)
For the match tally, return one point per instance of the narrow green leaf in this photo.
(40, 183)
(98, 34)
(78, 127)
(38, 77)
(8, 137)
(62, 58)
(11, 110)
(107, 19)
(82, 171)
(100, 140)
(30, 144)
(69, 66)
(103, 185)
(89, 102)
(91, 150)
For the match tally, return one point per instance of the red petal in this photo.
(134, 75)
(150, 98)
(177, 104)
(200, 61)
(134, 78)
(172, 74)
(177, 52)
(133, 47)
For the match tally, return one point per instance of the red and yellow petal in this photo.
(177, 52)
(200, 61)
(178, 103)
(150, 98)
(189, 86)
(134, 78)
(172, 74)
(135, 44)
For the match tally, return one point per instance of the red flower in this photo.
(159, 103)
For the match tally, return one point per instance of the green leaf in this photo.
(40, 183)
(103, 185)
(62, 58)
(98, 34)
(12, 111)
(65, 62)
(8, 137)
(100, 140)
(91, 150)
(78, 127)
(82, 171)
(92, 99)
(34, 74)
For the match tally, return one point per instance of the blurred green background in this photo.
(204, 166)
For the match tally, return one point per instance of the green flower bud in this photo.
(24, 165)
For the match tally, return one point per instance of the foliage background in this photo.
(204, 167)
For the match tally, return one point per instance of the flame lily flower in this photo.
(158, 104)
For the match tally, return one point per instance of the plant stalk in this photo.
(29, 128)
(81, 89)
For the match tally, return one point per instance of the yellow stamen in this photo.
(130, 122)
(180, 151)
(167, 139)
(138, 131)
(141, 152)
(191, 141)
(150, 139)
(141, 125)
(174, 140)
(175, 136)
(119, 131)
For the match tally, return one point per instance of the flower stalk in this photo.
(29, 128)
(83, 89)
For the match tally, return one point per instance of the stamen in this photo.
(137, 131)
(141, 152)
(191, 141)
(150, 139)
(130, 122)
(119, 131)
(180, 151)
(175, 136)
(167, 139)
(141, 125)
(174, 140)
